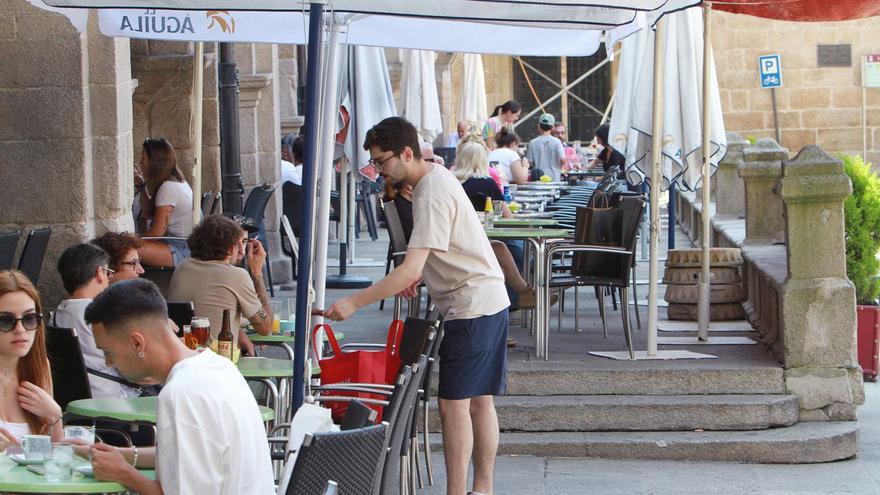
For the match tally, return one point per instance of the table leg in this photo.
(540, 297)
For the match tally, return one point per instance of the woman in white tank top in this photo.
(26, 404)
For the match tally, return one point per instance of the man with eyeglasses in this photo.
(84, 273)
(449, 248)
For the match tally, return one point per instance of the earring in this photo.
(140, 354)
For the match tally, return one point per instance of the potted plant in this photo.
(862, 230)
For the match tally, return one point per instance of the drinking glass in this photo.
(201, 330)
(85, 434)
(59, 464)
(276, 316)
(496, 207)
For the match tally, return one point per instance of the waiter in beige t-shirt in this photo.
(450, 250)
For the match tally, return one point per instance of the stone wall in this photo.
(65, 131)
(816, 105)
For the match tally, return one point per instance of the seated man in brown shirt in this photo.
(211, 281)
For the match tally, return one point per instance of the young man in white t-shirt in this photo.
(449, 248)
(210, 435)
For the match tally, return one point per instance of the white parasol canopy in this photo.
(419, 102)
(472, 107)
(631, 127)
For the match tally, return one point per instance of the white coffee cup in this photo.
(36, 447)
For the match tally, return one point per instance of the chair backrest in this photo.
(432, 354)
(418, 336)
(400, 426)
(207, 203)
(291, 204)
(395, 232)
(255, 204)
(288, 239)
(8, 245)
(357, 415)
(351, 458)
(629, 212)
(31, 261)
(448, 155)
(215, 203)
(181, 313)
(69, 376)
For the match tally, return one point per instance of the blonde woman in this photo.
(472, 170)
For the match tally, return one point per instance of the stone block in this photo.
(7, 28)
(110, 109)
(818, 388)
(843, 140)
(244, 58)
(831, 118)
(159, 47)
(41, 63)
(109, 59)
(743, 121)
(752, 39)
(761, 166)
(139, 47)
(729, 187)
(739, 101)
(43, 25)
(846, 97)
(809, 98)
(787, 120)
(796, 139)
(760, 100)
(832, 76)
(819, 322)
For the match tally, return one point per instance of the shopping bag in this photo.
(358, 366)
(309, 418)
(598, 225)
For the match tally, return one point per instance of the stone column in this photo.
(729, 187)
(760, 168)
(818, 301)
(65, 131)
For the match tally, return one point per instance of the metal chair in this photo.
(206, 203)
(396, 246)
(31, 260)
(255, 207)
(291, 207)
(8, 245)
(353, 459)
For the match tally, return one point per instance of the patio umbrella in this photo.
(453, 25)
(472, 107)
(419, 102)
(692, 129)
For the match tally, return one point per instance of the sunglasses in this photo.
(30, 321)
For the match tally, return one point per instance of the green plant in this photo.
(862, 225)
(751, 140)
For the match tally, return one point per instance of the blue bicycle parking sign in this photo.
(770, 67)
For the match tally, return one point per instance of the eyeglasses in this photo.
(30, 321)
(108, 271)
(133, 263)
(380, 163)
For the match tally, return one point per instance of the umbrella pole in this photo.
(198, 92)
(656, 157)
(706, 237)
(303, 309)
(329, 100)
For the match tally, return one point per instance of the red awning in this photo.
(803, 10)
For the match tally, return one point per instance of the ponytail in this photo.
(497, 111)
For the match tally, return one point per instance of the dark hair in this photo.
(287, 141)
(128, 300)
(117, 246)
(212, 239)
(602, 134)
(79, 263)
(505, 136)
(546, 127)
(163, 167)
(394, 134)
(298, 148)
(508, 106)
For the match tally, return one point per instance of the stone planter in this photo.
(868, 339)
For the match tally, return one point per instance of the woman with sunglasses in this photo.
(167, 205)
(27, 406)
(125, 261)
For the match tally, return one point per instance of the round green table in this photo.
(260, 367)
(524, 222)
(133, 409)
(17, 479)
(283, 338)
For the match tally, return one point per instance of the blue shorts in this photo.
(179, 249)
(473, 355)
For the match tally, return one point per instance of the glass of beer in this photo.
(200, 330)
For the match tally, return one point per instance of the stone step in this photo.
(802, 443)
(642, 412)
(536, 378)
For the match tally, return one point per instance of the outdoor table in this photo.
(264, 370)
(538, 239)
(129, 409)
(17, 479)
(532, 214)
(524, 222)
